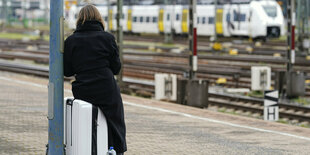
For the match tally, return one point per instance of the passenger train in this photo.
(256, 19)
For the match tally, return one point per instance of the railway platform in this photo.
(153, 127)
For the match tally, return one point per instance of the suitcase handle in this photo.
(67, 101)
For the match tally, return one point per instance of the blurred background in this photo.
(245, 47)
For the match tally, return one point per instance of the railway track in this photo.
(236, 70)
(256, 106)
(142, 83)
(140, 67)
(203, 46)
(202, 40)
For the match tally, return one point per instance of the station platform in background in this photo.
(153, 127)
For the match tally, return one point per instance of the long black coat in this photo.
(91, 55)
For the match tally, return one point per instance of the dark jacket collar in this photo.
(90, 26)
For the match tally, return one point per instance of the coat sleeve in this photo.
(115, 63)
(67, 59)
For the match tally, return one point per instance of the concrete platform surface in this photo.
(153, 127)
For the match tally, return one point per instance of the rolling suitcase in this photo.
(86, 131)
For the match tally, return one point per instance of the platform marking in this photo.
(215, 121)
(174, 112)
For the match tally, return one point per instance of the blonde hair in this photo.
(87, 13)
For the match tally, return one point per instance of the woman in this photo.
(91, 55)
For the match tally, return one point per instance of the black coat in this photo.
(91, 55)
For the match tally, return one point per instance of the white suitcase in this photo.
(78, 125)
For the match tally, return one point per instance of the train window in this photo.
(154, 19)
(271, 11)
(134, 19)
(106, 18)
(76, 15)
(198, 20)
(239, 16)
(147, 19)
(168, 17)
(242, 17)
(177, 17)
(115, 16)
(211, 20)
(203, 20)
(123, 16)
(141, 19)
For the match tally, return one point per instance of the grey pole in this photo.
(120, 38)
(108, 15)
(307, 24)
(215, 17)
(1, 13)
(9, 12)
(288, 64)
(24, 11)
(4, 5)
(291, 20)
(46, 11)
(299, 26)
(55, 86)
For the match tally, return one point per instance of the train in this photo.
(255, 19)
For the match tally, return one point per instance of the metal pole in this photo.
(46, 11)
(9, 12)
(120, 38)
(291, 20)
(108, 15)
(4, 5)
(292, 60)
(288, 13)
(307, 23)
(215, 17)
(192, 36)
(300, 24)
(55, 86)
(24, 3)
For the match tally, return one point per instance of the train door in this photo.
(244, 17)
(227, 18)
(124, 19)
(161, 20)
(129, 19)
(184, 21)
(168, 19)
(239, 23)
(110, 18)
(177, 23)
(219, 21)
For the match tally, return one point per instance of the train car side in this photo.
(257, 19)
